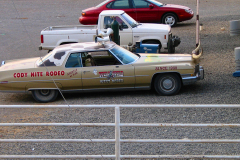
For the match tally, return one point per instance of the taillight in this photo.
(42, 39)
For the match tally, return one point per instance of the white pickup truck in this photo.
(130, 32)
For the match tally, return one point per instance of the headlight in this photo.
(188, 11)
(3, 62)
(83, 13)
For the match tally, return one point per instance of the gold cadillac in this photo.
(91, 66)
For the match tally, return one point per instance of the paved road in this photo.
(20, 24)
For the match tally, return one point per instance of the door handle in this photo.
(85, 72)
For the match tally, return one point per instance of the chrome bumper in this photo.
(192, 79)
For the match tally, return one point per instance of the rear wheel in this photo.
(169, 19)
(45, 95)
(167, 84)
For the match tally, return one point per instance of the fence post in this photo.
(117, 133)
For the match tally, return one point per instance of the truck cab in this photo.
(131, 31)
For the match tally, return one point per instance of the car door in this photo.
(72, 73)
(103, 71)
(125, 32)
(145, 11)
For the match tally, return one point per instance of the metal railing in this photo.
(117, 139)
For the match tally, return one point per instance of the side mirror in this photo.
(151, 6)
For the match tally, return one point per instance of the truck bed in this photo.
(70, 27)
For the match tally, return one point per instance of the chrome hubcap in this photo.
(44, 92)
(167, 84)
(170, 20)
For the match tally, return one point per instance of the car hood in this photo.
(175, 6)
(19, 64)
(151, 27)
(164, 58)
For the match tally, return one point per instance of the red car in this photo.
(145, 11)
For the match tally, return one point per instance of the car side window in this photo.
(140, 4)
(108, 21)
(120, 4)
(99, 58)
(74, 60)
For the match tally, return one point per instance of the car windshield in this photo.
(101, 4)
(156, 3)
(124, 55)
(43, 59)
(130, 20)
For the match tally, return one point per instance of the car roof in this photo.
(86, 46)
(58, 55)
(112, 12)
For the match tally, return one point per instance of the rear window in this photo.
(101, 4)
(119, 4)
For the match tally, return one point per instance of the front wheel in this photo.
(167, 84)
(45, 95)
(169, 19)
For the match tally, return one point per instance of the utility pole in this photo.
(197, 25)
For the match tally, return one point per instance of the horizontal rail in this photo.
(121, 125)
(122, 156)
(56, 156)
(180, 140)
(57, 140)
(60, 124)
(124, 106)
(121, 140)
(182, 156)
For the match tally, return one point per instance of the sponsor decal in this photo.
(111, 75)
(19, 75)
(55, 73)
(112, 80)
(146, 49)
(153, 59)
(72, 73)
(164, 68)
(38, 74)
(95, 72)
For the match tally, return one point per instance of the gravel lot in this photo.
(20, 24)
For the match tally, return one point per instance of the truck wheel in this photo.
(45, 95)
(167, 84)
(169, 19)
